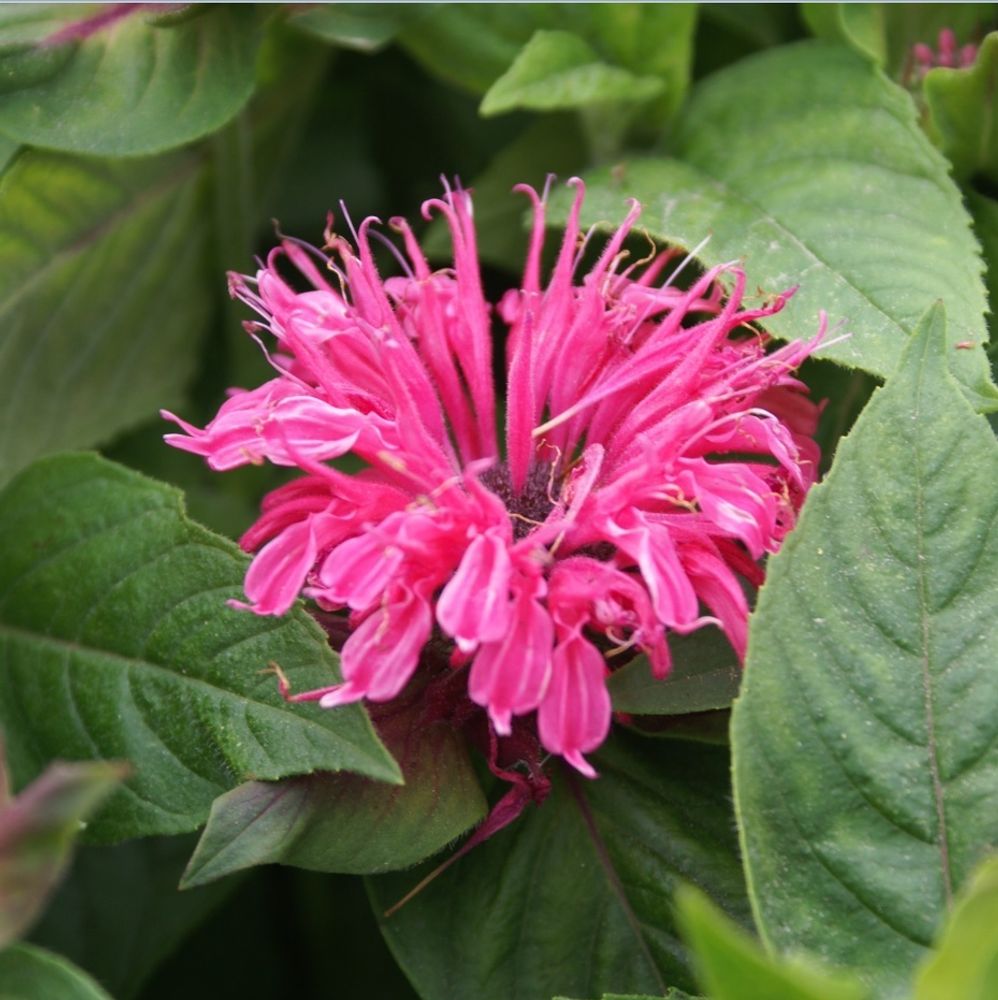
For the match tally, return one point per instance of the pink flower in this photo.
(946, 54)
(655, 449)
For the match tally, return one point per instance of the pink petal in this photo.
(474, 607)
(278, 571)
(574, 716)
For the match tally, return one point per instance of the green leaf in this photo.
(966, 963)
(705, 676)
(117, 642)
(557, 70)
(128, 88)
(118, 913)
(865, 739)
(346, 823)
(29, 973)
(617, 846)
(827, 182)
(104, 291)
(963, 109)
(860, 25)
(734, 967)
(37, 830)
(363, 27)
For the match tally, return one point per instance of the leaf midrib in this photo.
(925, 653)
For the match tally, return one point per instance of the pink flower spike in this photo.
(657, 448)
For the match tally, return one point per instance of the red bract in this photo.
(655, 450)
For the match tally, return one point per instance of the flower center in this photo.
(532, 504)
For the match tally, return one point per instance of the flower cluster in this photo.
(946, 54)
(655, 448)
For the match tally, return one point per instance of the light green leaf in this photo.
(829, 183)
(861, 25)
(346, 823)
(865, 739)
(29, 973)
(115, 641)
(658, 813)
(705, 676)
(130, 87)
(557, 70)
(118, 913)
(734, 967)
(985, 214)
(963, 110)
(104, 292)
(966, 962)
(37, 830)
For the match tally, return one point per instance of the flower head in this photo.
(947, 53)
(655, 449)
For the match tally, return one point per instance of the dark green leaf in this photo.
(827, 182)
(118, 914)
(966, 963)
(117, 643)
(128, 88)
(104, 291)
(963, 106)
(734, 967)
(37, 830)
(574, 898)
(29, 973)
(705, 676)
(866, 736)
(364, 27)
(557, 70)
(985, 213)
(345, 823)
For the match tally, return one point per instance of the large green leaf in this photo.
(117, 642)
(866, 736)
(104, 291)
(118, 914)
(964, 112)
(575, 897)
(129, 87)
(346, 823)
(29, 973)
(732, 966)
(966, 963)
(985, 213)
(37, 830)
(809, 165)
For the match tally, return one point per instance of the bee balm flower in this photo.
(654, 450)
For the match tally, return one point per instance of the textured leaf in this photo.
(104, 291)
(734, 967)
(557, 70)
(865, 739)
(118, 913)
(575, 897)
(37, 830)
(705, 676)
(128, 88)
(345, 823)
(963, 105)
(826, 182)
(116, 642)
(29, 973)
(966, 964)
